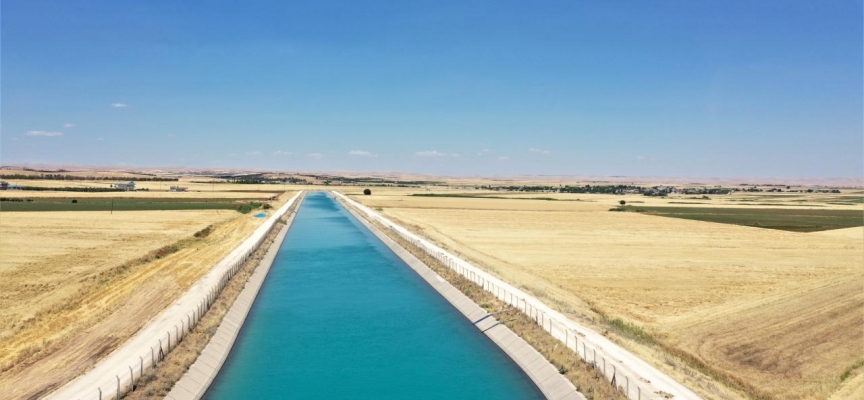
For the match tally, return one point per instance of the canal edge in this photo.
(542, 373)
(200, 375)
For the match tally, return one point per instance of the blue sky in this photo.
(671, 88)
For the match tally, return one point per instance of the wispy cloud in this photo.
(281, 153)
(253, 153)
(503, 158)
(484, 152)
(170, 135)
(44, 133)
(100, 138)
(68, 125)
(316, 156)
(540, 151)
(361, 153)
(434, 153)
(119, 105)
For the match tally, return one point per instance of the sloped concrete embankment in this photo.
(545, 376)
(195, 382)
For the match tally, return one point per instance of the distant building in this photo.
(9, 186)
(125, 186)
(178, 188)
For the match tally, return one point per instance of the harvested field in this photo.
(155, 186)
(772, 313)
(122, 204)
(74, 285)
(26, 194)
(801, 220)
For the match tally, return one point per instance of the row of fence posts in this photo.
(538, 316)
(181, 329)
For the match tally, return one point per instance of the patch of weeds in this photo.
(166, 250)
(848, 372)
(631, 331)
(204, 232)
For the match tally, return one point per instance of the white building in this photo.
(125, 186)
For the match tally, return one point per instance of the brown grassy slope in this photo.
(89, 320)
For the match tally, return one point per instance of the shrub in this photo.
(166, 251)
(247, 208)
(266, 206)
(616, 209)
(204, 232)
(622, 202)
(74, 201)
(367, 192)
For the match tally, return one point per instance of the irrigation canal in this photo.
(341, 316)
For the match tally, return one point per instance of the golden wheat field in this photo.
(74, 285)
(780, 312)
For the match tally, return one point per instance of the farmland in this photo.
(806, 220)
(76, 284)
(764, 312)
(119, 204)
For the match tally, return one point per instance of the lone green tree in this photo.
(367, 192)
(622, 202)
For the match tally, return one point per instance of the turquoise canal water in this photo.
(341, 317)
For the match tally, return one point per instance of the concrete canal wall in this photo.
(200, 375)
(545, 376)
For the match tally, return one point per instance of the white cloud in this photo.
(68, 125)
(503, 158)
(484, 152)
(100, 138)
(281, 153)
(119, 105)
(44, 133)
(454, 155)
(434, 153)
(640, 157)
(170, 135)
(253, 153)
(316, 156)
(540, 151)
(361, 153)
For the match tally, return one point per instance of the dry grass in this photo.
(771, 313)
(74, 285)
